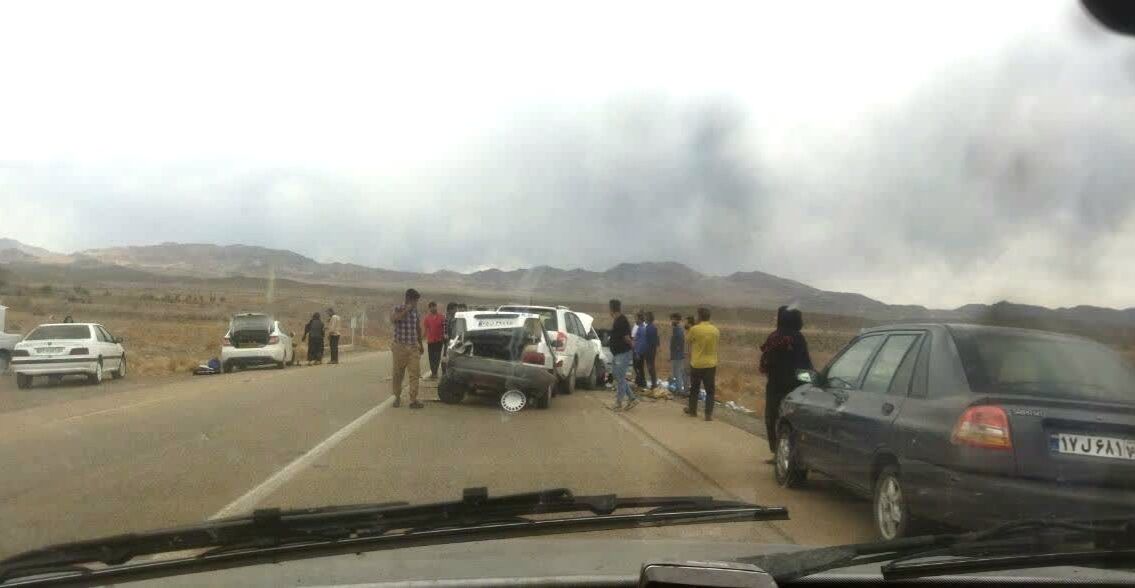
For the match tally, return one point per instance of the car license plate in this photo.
(492, 323)
(1092, 445)
(49, 350)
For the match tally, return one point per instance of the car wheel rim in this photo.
(513, 401)
(98, 372)
(889, 508)
(783, 453)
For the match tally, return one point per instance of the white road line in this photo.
(682, 465)
(108, 410)
(253, 497)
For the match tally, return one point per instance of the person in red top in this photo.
(434, 326)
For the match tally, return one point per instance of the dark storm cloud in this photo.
(1039, 138)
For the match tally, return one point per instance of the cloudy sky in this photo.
(923, 153)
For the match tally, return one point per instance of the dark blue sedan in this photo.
(967, 425)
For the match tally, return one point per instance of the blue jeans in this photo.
(622, 388)
(678, 372)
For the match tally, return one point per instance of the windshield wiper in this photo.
(270, 535)
(1008, 546)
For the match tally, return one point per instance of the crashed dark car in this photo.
(505, 354)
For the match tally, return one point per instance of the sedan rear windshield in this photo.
(59, 332)
(1045, 365)
(258, 322)
(547, 315)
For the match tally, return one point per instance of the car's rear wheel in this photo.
(121, 371)
(592, 382)
(790, 472)
(450, 392)
(567, 385)
(96, 378)
(228, 367)
(891, 513)
(545, 401)
(5, 361)
(23, 381)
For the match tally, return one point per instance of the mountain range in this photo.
(647, 282)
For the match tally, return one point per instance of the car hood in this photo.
(590, 560)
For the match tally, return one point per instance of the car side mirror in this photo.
(808, 377)
(118, 340)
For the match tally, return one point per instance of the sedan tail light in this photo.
(533, 357)
(80, 351)
(226, 342)
(983, 426)
(273, 340)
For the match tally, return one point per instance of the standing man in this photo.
(407, 347)
(434, 324)
(690, 322)
(621, 350)
(638, 336)
(703, 361)
(678, 353)
(651, 351)
(334, 323)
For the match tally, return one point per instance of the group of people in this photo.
(640, 345)
(313, 333)
(693, 359)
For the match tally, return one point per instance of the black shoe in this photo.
(689, 412)
(416, 405)
(397, 402)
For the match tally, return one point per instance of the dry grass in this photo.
(173, 337)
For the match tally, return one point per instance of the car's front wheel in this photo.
(891, 513)
(23, 381)
(790, 472)
(545, 401)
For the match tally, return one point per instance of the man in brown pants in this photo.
(407, 348)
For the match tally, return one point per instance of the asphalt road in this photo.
(82, 461)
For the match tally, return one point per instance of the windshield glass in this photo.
(1045, 365)
(59, 332)
(548, 316)
(869, 261)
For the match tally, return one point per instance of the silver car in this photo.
(64, 349)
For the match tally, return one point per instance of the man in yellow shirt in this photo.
(703, 338)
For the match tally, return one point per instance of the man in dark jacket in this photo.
(650, 350)
(784, 352)
(678, 354)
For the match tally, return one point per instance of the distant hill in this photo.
(648, 282)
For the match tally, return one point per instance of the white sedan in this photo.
(66, 349)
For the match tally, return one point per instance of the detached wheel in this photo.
(96, 378)
(891, 513)
(567, 385)
(790, 473)
(23, 381)
(450, 392)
